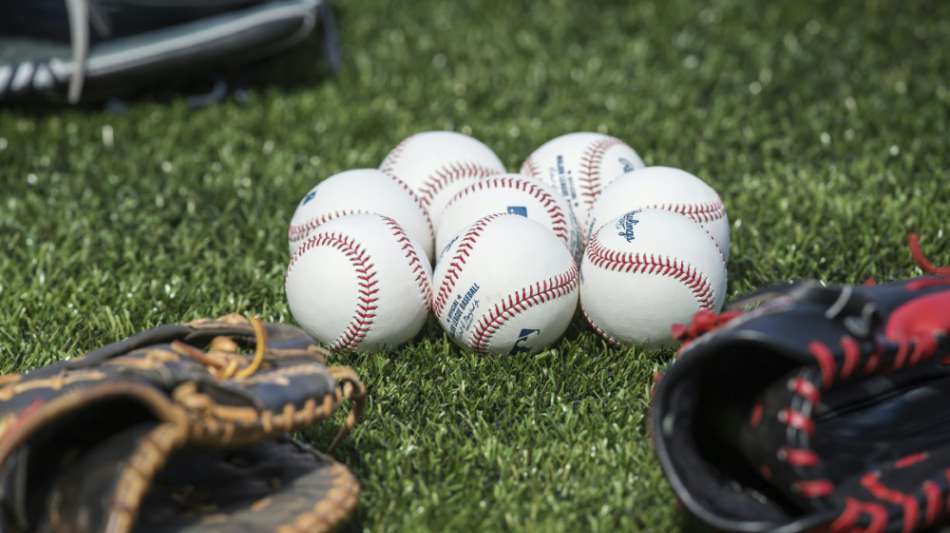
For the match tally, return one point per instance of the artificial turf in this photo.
(822, 125)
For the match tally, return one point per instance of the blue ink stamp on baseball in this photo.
(460, 318)
(626, 224)
(310, 195)
(519, 210)
(627, 165)
(523, 338)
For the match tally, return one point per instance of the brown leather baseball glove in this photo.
(175, 429)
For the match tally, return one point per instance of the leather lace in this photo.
(225, 363)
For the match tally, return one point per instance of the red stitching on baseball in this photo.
(462, 251)
(706, 212)
(722, 255)
(298, 232)
(519, 301)
(637, 263)
(366, 304)
(589, 175)
(548, 201)
(607, 337)
(451, 173)
(415, 263)
(530, 168)
(417, 200)
(390, 161)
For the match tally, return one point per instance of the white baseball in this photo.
(670, 189)
(580, 165)
(506, 285)
(359, 283)
(647, 270)
(438, 164)
(515, 194)
(364, 190)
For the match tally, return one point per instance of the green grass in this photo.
(823, 126)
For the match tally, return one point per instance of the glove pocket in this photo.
(81, 460)
(273, 485)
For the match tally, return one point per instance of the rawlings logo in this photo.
(519, 210)
(310, 195)
(523, 337)
(625, 225)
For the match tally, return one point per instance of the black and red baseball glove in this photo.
(823, 409)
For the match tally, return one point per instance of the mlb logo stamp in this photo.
(627, 165)
(523, 338)
(519, 210)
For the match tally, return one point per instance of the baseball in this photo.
(579, 166)
(364, 190)
(359, 282)
(505, 285)
(438, 164)
(646, 271)
(666, 188)
(510, 193)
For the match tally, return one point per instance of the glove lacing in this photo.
(913, 242)
(228, 368)
(223, 363)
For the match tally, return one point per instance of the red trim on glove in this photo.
(825, 360)
(872, 482)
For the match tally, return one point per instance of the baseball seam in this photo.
(298, 232)
(530, 168)
(589, 181)
(600, 331)
(417, 201)
(520, 301)
(415, 263)
(451, 173)
(390, 161)
(722, 255)
(548, 202)
(700, 212)
(637, 263)
(366, 302)
(462, 251)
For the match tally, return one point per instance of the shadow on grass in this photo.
(320, 436)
